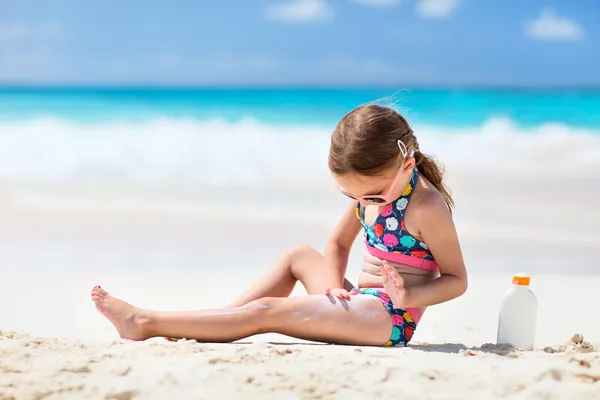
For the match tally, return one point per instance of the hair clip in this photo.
(404, 150)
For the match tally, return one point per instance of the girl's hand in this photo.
(393, 284)
(340, 293)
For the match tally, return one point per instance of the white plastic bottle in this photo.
(518, 314)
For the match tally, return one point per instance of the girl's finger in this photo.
(384, 273)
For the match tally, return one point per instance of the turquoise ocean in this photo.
(224, 136)
(156, 176)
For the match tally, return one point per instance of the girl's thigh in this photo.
(361, 320)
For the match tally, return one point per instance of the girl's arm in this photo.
(439, 233)
(338, 248)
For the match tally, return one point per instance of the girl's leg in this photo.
(302, 263)
(362, 320)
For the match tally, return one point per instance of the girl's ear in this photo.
(409, 164)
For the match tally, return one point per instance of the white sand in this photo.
(80, 356)
(165, 253)
(76, 369)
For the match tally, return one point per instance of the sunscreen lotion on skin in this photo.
(518, 313)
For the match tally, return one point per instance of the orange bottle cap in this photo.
(521, 280)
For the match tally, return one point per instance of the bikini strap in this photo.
(360, 211)
(410, 187)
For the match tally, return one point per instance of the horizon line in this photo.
(280, 86)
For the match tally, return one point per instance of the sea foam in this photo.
(189, 152)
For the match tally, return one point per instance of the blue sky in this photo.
(301, 42)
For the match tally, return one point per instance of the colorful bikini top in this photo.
(388, 239)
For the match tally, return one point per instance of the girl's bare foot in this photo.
(393, 284)
(130, 322)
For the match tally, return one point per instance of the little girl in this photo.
(412, 255)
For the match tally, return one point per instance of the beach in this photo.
(176, 213)
(56, 345)
(77, 369)
(452, 355)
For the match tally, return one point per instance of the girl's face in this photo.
(377, 190)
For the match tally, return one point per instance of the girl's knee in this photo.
(301, 261)
(262, 305)
(260, 314)
(261, 310)
(301, 252)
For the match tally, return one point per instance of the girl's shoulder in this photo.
(426, 202)
(426, 194)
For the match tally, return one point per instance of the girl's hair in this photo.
(365, 142)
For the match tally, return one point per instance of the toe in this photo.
(98, 291)
(104, 292)
(96, 298)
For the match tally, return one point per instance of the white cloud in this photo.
(378, 3)
(550, 26)
(436, 9)
(300, 11)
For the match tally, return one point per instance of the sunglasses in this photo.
(377, 199)
(381, 198)
(373, 198)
